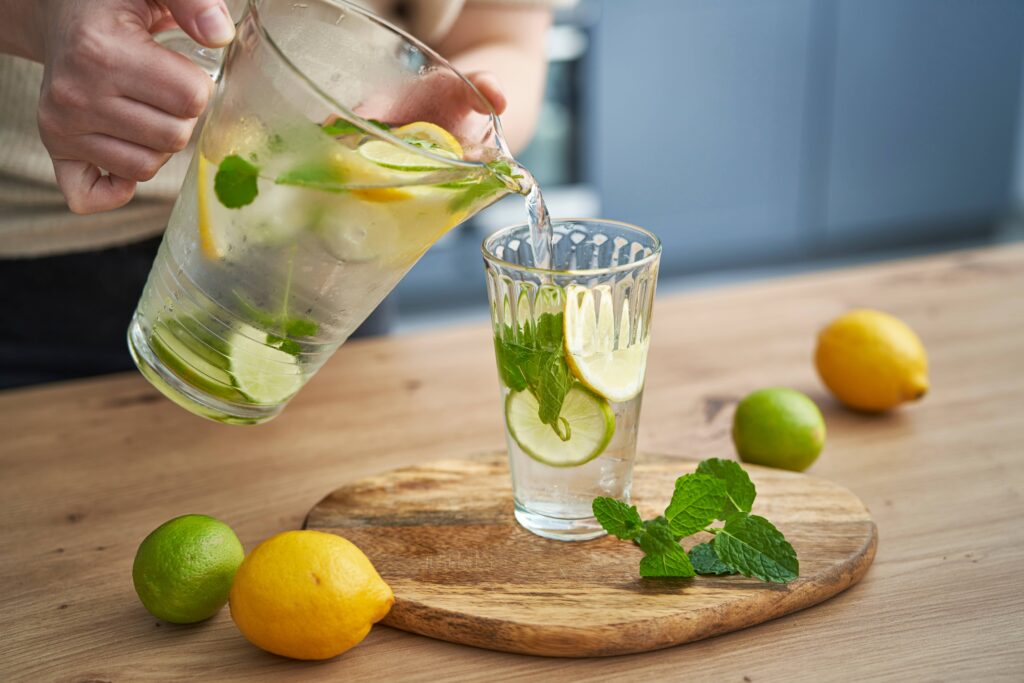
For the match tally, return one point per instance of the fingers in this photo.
(487, 84)
(144, 125)
(165, 80)
(87, 190)
(119, 157)
(207, 22)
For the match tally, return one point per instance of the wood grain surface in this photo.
(88, 468)
(444, 538)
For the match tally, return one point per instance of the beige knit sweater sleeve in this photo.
(35, 221)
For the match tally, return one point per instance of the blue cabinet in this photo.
(696, 114)
(923, 117)
(746, 132)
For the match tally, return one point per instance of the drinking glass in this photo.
(571, 347)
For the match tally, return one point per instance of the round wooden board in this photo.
(443, 536)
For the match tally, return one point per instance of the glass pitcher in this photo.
(336, 151)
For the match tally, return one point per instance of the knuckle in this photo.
(145, 167)
(65, 93)
(194, 100)
(179, 137)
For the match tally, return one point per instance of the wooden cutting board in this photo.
(443, 536)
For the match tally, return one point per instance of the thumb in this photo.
(207, 22)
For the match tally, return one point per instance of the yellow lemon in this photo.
(872, 361)
(308, 595)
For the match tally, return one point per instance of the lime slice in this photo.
(192, 353)
(399, 159)
(265, 375)
(609, 359)
(589, 419)
(441, 140)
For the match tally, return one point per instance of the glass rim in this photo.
(586, 272)
(359, 121)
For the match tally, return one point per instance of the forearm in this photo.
(510, 42)
(21, 28)
(522, 81)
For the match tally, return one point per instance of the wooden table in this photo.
(88, 468)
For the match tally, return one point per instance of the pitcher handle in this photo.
(209, 59)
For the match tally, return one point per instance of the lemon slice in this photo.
(265, 375)
(588, 419)
(433, 134)
(208, 242)
(609, 360)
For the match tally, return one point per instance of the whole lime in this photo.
(778, 427)
(184, 569)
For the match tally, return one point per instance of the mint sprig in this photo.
(532, 359)
(720, 489)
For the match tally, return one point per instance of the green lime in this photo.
(184, 569)
(587, 419)
(778, 428)
(195, 354)
(266, 375)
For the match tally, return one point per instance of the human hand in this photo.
(113, 99)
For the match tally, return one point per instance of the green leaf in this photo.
(754, 547)
(340, 127)
(536, 361)
(695, 502)
(318, 175)
(300, 327)
(658, 521)
(617, 518)
(511, 359)
(664, 556)
(286, 345)
(553, 385)
(235, 182)
(706, 562)
(739, 489)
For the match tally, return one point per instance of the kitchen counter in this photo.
(88, 468)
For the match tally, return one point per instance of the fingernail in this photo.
(216, 26)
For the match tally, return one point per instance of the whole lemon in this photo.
(778, 427)
(183, 569)
(308, 595)
(872, 361)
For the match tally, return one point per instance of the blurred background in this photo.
(764, 138)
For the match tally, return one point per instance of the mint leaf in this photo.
(286, 345)
(536, 361)
(340, 127)
(754, 547)
(664, 556)
(235, 182)
(706, 562)
(739, 489)
(617, 518)
(511, 359)
(300, 327)
(695, 502)
(553, 385)
(318, 175)
(659, 521)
